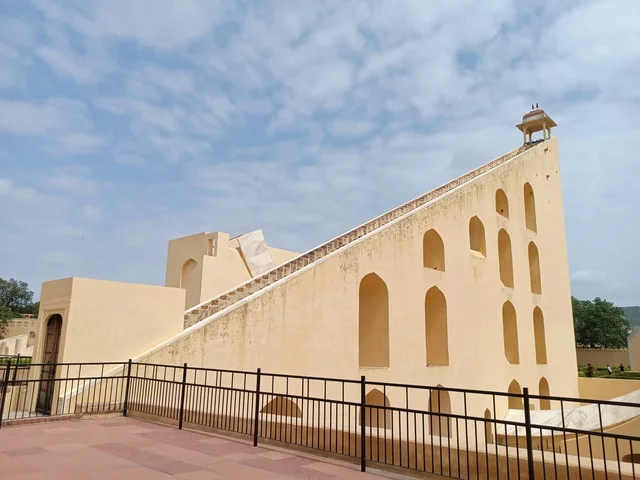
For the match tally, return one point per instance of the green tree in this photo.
(599, 323)
(15, 299)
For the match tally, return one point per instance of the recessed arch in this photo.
(534, 269)
(539, 336)
(373, 416)
(515, 403)
(436, 329)
(187, 271)
(373, 322)
(50, 357)
(505, 259)
(488, 426)
(477, 240)
(530, 208)
(440, 403)
(510, 333)
(433, 251)
(282, 406)
(543, 391)
(502, 203)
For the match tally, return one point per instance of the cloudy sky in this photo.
(126, 123)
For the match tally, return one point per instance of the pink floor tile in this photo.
(128, 449)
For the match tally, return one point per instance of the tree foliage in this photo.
(599, 323)
(15, 299)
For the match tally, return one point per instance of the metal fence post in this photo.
(527, 426)
(363, 429)
(256, 410)
(4, 386)
(15, 372)
(182, 395)
(126, 390)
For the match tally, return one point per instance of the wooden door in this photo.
(49, 359)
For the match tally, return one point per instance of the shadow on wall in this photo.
(282, 406)
(376, 417)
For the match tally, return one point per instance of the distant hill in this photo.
(633, 315)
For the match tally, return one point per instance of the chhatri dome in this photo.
(534, 121)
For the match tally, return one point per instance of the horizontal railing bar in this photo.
(83, 364)
(619, 436)
(319, 379)
(446, 389)
(69, 379)
(612, 403)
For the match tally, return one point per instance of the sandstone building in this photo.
(465, 286)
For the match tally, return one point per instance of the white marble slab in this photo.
(584, 417)
(256, 252)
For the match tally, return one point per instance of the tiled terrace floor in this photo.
(125, 448)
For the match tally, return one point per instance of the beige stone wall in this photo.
(108, 321)
(634, 349)
(600, 357)
(17, 345)
(605, 388)
(21, 326)
(208, 264)
(308, 323)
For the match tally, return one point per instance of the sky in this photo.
(124, 124)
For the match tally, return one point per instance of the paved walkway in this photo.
(125, 448)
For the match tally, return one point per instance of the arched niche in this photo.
(187, 272)
(374, 415)
(515, 403)
(440, 403)
(436, 329)
(282, 406)
(534, 269)
(433, 251)
(502, 203)
(539, 336)
(488, 427)
(544, 391)
(530, 208)
(510, 333)
(505, 260)
(477, 240)
(373, 322)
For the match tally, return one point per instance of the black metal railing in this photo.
(459, 433)
(41, 390)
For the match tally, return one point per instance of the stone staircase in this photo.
(214, 305)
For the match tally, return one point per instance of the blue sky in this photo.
(126, 123)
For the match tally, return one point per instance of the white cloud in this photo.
(166, 26)
(91, 213)
(76, 143)
(131, 160)
(51, 116)
(12, 66)
(12, 192)
(241, 115)
(74, 184)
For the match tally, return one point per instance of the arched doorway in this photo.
(49, 359)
